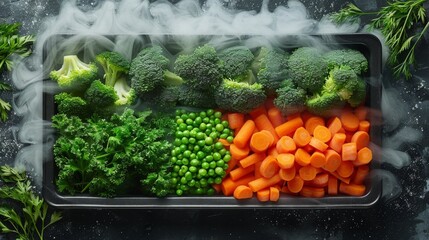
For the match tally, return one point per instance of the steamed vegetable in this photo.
(265, 161)
(307, 68)
(74, 75)
(290, 98)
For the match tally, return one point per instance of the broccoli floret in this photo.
(324, 104)
(149, 69)
(237, 63)
(341, 84)
(359, 95)
(352, 58)
(239, 96)
(196, 98)
(271, 68)
(100, 95)
(71, 105)
(201, 70)
(74, 75)
(115, 66)
(116, 69)
(290, 99)
(307, 69)
(163, 99)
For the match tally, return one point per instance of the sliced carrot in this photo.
(228, 185)
(235, 120)
(345, 169)
(274, 194)
(333, 160)
(302, 157)
(237, 152)
(361, 112)
(241, 172)
(364, 156)
(269, 167)
(312, 122)
(259, 142)
(322, 133)
(361, 139)
(349, 121)
(334, 125)
(321, 180)
(263, 195)
(314, 192)
(269, 136)
(243, 192)
(273, 151)
(285, 160)
(258, 111)
(257, 167)
(286, 145)
(342, 179)
(317, 144)
(275, 116)
(287, 174)
(295, 185)
(307, 173)
(262, 122)
(332, 185)
(261, 183)
(317, 159)
(364, 126)
(224, 142)
(361, 174)
(337, 142)
(349, 152)
(289, 127)
(301, 137)
(231, 164)
(217, 187)
(352, 189)
(251, 159)
(243, 136)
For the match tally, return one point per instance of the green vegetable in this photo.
(5, 107)
(290, 99)
(271, 68)
(149, 70)
(31, 221)
(198, 159)
(399, 22)
(307, 69)
(341, 84)
(101, 156)
(71, 105)
(202, 69)
(74, 75)
(11, 43)
(349, 57)
(100, 95)
(116, 69)
(191, 97)
(237, 63)
(239, 96)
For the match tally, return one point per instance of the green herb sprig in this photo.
(16, 193)
(396, 21)
(11, 43)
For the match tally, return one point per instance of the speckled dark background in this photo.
(405, 217)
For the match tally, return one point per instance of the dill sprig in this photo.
(396, 22)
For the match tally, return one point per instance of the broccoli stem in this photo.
(172, 79)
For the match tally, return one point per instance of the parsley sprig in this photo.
(397, 22)
(22, 212)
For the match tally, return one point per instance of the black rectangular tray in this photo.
(368, 44)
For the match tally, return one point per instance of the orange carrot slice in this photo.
(307, 173)
(361, 139)
(261, 183)
(352, 189)
(302, 157)
(252, 159)
(287, 174)
(317, 159)
(263, 195)
(322, 133)
(313, 122)
(285, 160)
(364, 156)
(289, 127)
(349, 152)
(349, 121)
(318, 144)
(274, 194)
(235, 120)
(337, 142)
(333, 160)
(243, 192)
(242, 138)
(301, 137)
(269, 167)
(286, 145)
(295, 185)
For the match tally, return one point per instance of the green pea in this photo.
(203, 114)
(196, 148)
(212, 164)
(211, 172)
(210, 112)
(217, 156)
(219, 171)
(184, 116)
(227, 158)
(192, 169)
(218, 114)
(173, 159)
(222, 151)
(191, 183)
(218, 146)
(223, 136)
(179, 162)
(218, 180)
(200, 136)
(225, 167)
(184, 187)
(210, 191)
(206, 120)
(179, 192)
(209, 158)
(207, 149)
(219, 127)
(183, 147)
(182, 127)
(192, 115)
(192, 140)
(185, 161)
(187, 154)
(198, 120)
(225, 124)
(202, 172)
(179, 121)
(189, 127)
(205, 165)
(179, 134)
(203, 182)
(188, 176)
(173, 181)
(226, 131)
(185, 140)
(213, 135)
(220, 163)
(230, 139)
(194, 162)
(183, 180)
(210, 180)
(209, 141)
(203, 126)
(199, 191)
(176, 168)
(201, 155)
(201, 143)
(217, 121)
(189, 121)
